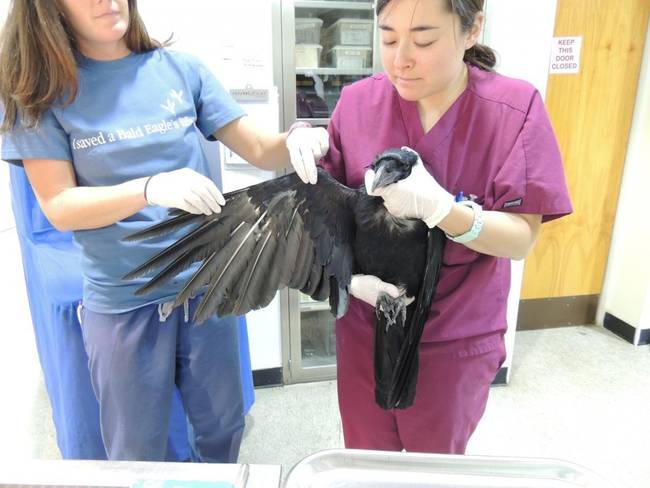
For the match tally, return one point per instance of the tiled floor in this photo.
(579, 394)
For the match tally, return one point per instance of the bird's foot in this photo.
(393, 310)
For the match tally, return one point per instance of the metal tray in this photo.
(338, 468)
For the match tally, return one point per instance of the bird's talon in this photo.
(393, 309)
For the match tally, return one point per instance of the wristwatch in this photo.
(477, 224)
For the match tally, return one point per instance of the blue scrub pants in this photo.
(135, 358)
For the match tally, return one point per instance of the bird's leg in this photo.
(393, 310)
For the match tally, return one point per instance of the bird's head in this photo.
(392, 166)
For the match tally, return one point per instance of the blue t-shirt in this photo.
(132, 117)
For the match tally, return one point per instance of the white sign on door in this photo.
(565, 55)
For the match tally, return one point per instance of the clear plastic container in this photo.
(350, 32)
(308, 55)
(350, 57)
(308, 30)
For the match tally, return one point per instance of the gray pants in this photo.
(135, 358)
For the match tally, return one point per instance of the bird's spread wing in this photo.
(278, 233)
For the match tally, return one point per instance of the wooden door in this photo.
(591, 113)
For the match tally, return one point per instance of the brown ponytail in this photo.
(481, 56)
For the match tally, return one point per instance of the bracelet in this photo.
(477, 224)
(146, 184)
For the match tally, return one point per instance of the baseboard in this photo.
(273, 377)
(542, 313)
(267, 377)
(625, 330)
(502, 376)
(644, 337)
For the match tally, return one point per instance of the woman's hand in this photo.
(417, 196)
(185, 189)
(368, 287)
(306, 146)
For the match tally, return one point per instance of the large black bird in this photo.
(312, 238)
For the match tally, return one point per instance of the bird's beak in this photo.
(382, 179)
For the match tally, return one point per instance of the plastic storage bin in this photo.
(308, 55)
(308, 30)
(350, 56)
(350, 32)
(310, 106)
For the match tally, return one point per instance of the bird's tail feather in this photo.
(402, 391)
(390, 335)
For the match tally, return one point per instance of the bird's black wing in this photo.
(278, 233)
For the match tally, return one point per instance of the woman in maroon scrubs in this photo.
(478, 134)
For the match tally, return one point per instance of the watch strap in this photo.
(477, 224)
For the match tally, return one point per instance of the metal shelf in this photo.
(313, 306)
(329, 5)
(316, 122)
(334, 71)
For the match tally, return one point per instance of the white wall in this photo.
(626, 288)
(523, 51)
(521, 32)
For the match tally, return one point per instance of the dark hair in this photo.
(478, 55)
(37, 61)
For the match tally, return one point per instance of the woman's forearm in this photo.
(271, 151)
(84, 207)
(263, 149)
(503, 234)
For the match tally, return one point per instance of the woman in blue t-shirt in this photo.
(108, 125)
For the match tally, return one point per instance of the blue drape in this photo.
(51, 263)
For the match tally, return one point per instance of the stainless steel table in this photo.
(65, 473)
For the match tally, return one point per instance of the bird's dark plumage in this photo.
(312, 238)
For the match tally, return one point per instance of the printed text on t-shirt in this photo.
(160, 127)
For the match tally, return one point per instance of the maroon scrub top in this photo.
(495, 142)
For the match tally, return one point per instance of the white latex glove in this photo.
(185, 189)
(368, 288)
(306, 146)
(417, 196)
